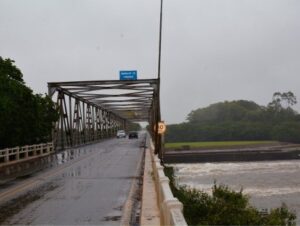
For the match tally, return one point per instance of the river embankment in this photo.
(259, 153)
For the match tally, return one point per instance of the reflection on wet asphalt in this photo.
(89, 185)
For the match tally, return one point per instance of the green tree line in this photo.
(25, 118)
(241, 120)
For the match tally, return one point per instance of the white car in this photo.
(121, 134)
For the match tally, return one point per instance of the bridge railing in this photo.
(170, 207)
(17, 154)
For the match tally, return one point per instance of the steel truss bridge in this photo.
(95, 110)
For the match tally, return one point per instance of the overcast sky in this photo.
(212, 50)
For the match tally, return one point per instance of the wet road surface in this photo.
(87, 185)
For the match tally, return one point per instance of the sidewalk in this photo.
(150, 212)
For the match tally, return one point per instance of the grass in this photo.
(217, 144)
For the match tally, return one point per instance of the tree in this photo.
(288, 131)
(240, 120)
(223, 111)
(25, 118)
(289, 98)
(276, 105)
(133, 126)
(280, 99)
(7, 69)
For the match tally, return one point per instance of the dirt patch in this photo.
(112, 218)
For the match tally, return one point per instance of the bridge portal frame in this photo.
(86, 114)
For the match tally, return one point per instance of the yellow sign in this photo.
(161, 127)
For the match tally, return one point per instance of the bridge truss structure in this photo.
(95, 110)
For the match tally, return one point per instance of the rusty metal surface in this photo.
(89, 189)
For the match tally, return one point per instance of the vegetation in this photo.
(133, 126)
(217, 144)
(240, 120)
(225, 207)
(25, 118)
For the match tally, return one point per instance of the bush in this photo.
(287, 131)
(225, 207)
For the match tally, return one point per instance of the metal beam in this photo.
(96, 109)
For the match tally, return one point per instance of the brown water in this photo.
(269, 184)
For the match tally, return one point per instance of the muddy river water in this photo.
(268, 183)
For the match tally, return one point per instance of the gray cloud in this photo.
(213, 50)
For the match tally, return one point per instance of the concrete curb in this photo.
(128, 206)
(150, 214)
(170, 207)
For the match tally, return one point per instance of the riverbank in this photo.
(258, 153)
(206, 145)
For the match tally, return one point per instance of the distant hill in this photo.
(225, 111)
(240, 120)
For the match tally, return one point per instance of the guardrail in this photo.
(170, 207)
(17, 154)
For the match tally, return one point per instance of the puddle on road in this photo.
(14, 206)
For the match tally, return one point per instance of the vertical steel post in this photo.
(61, 127)
(71, 120)
(158, 144)
(84, 123)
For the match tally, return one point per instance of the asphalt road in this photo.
(87, 185)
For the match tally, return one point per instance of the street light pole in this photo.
(158, 137)
(160, 34)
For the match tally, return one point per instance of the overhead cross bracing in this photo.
(96, 109)
(130, 100)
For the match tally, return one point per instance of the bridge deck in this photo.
(86, 185)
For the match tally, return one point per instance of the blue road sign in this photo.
(128, 75)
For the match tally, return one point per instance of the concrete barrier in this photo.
(170, 208)
(14, 155)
